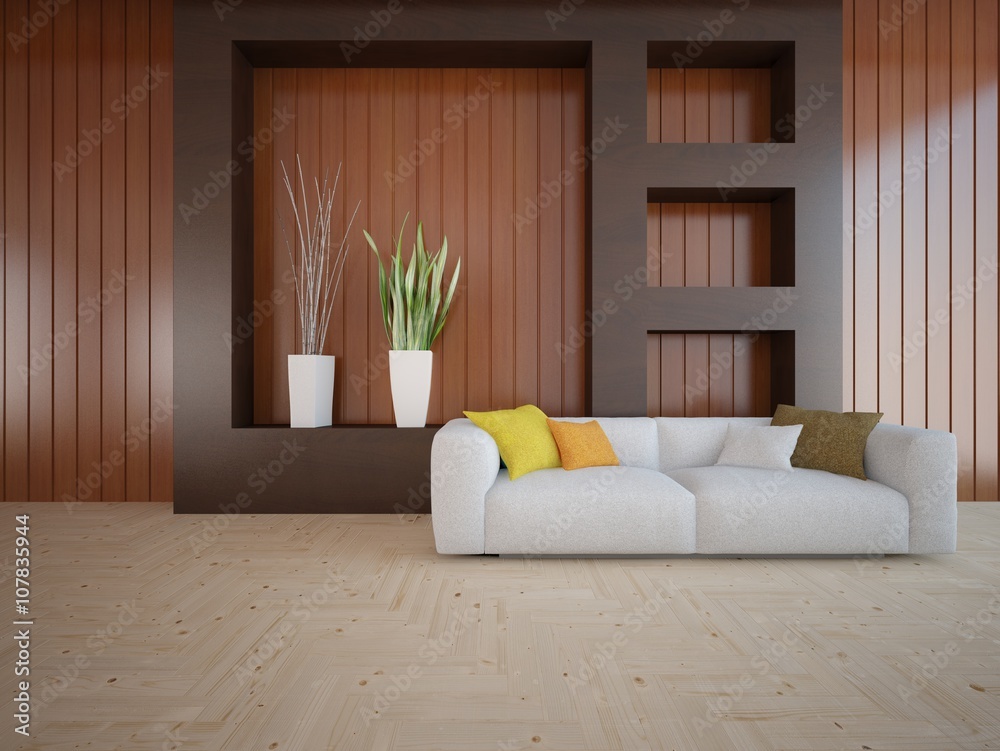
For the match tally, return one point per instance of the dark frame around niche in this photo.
(353, 469)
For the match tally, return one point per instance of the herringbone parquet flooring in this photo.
(155, 632)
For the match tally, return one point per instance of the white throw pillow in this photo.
(762, 447)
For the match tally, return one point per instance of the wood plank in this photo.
(721, 245)
(673, 251)
(113, 261)
(653, 407)
(356, 284)
(477, 255)
(672, 375)
(64, 302)
(987, 365)
(502, 239)
(696, 106)
(39, 279)
(938, 222)
(88, 269)
(697, 351)
(848, 209)
(761, 349)
(574, 241)
(696, 245)
(654, 279)
(653, 105)
(866, 96)
(137, 174)
(263, 267)
(161, 231)
(762, 105)
(721, 105)
(284, 342)
(430, 116)
(3, 252)
(550, 244)
(673, 105)
(744, 105)
(890, 226)
(743, 376)
(963, 222)
(720, 375)
(745, 248)
(529, 195)
(383, 175)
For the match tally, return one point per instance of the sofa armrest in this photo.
(922, 465)
(464, 465)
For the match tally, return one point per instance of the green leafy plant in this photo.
(413, 308)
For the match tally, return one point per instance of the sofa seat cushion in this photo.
(592, 511)
(764, 511)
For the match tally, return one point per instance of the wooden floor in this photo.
(161, 632)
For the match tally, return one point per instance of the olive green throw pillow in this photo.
(831, 441)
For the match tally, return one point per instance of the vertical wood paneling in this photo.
(137, 349)
(550, 246)
(921, 127)
(848, 206)
(482, 168)
(914, 219)
(113, 208)
(17, 354)
(263, 269)
(40, 333)
(3, 245)
(88, 270)
(64, 233)
(161, 230)
(86, 291)
(963, 222)
(986, 297)
(716, 105)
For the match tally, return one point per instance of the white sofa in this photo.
(668, 497)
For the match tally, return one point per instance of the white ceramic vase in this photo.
(410, 379)
(310, 390)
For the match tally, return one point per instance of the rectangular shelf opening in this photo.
(720, 92)
(719, 374)
(694, 238)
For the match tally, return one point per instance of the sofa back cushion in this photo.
(632, 438)
(695, 441)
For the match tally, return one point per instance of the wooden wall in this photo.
(920, 210)
(475, 155)
(86, 244)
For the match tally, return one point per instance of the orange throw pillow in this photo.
(583, 444)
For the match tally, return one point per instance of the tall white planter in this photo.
(310, 390)
(410, 378)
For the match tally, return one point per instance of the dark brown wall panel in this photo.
(469, 164)
(920, 174)
(87, 304)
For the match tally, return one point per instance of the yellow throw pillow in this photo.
(523, 437)
(583, 444)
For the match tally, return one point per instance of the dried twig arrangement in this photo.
(317, 275)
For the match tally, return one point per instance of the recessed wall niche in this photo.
(720, 92)
(472, 152)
